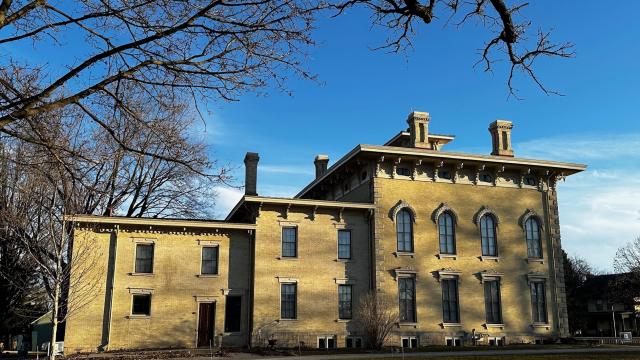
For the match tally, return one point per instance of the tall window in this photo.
(344, 244)
(492, 302)
(144, 258)
(538, 302)
(288, 294)
(488, 236)
(404, 229)
(532, 233)
(345, 304)
(209, 260)
(450, 310)
(289, 242)
(446, 229)
(407, 295)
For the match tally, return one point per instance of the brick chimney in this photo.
(321, 163)
(251, 173)
(501, 138)
(419, 129)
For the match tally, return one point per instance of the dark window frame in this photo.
(539, 302)
(232, 327)
(285, 251)
(492, 301)
(450, 301)
(341, 245)
(533, 237)
(141, 263)
(345, 302)
(407, 300)
(289, 301)
(134, 305)
(447, 233)
(488, 235)
(404, 230)
(209, 261)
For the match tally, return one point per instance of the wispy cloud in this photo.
(585, 147)
(600, 208)
(287, 169)
(227, 198)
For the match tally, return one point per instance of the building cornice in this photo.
(563, 168)
(209, 224)
(308, 202)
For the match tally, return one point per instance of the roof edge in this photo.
(157, 222)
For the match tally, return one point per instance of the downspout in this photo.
(250, 304)
(112, 285)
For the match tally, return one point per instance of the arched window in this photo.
(447, 232)
(532, 234)
(404, 229)
(488, 235)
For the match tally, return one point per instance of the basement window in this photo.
(496, 341)
(327, 342)
(141, 305)
(353, 342)
(409, 342)
(453, 341)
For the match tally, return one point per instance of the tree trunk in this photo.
(54, 322)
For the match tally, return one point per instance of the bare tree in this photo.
(48, 171)
(170, 51)
(628, 258)
(509, 36)
(35, 224)
(377, 316)
(626, 286)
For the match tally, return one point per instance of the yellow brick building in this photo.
(466, 247)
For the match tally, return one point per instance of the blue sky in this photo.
(363, 96)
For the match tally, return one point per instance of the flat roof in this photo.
(298, 202)
(570, 168)
(170, 222)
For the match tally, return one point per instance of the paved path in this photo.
(444, 354)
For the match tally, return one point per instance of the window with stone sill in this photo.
(404, 230)
(447, 233)
(144, 258)
(532, 236)
(141, 305)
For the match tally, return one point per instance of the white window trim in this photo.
(211, 245)
(143, 241)
(327, 337)
(338, 258)
(409, 337)
(284, 225)
(283, 281)
(453, 338)
(134, 292)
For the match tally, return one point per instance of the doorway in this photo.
(206, 324)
